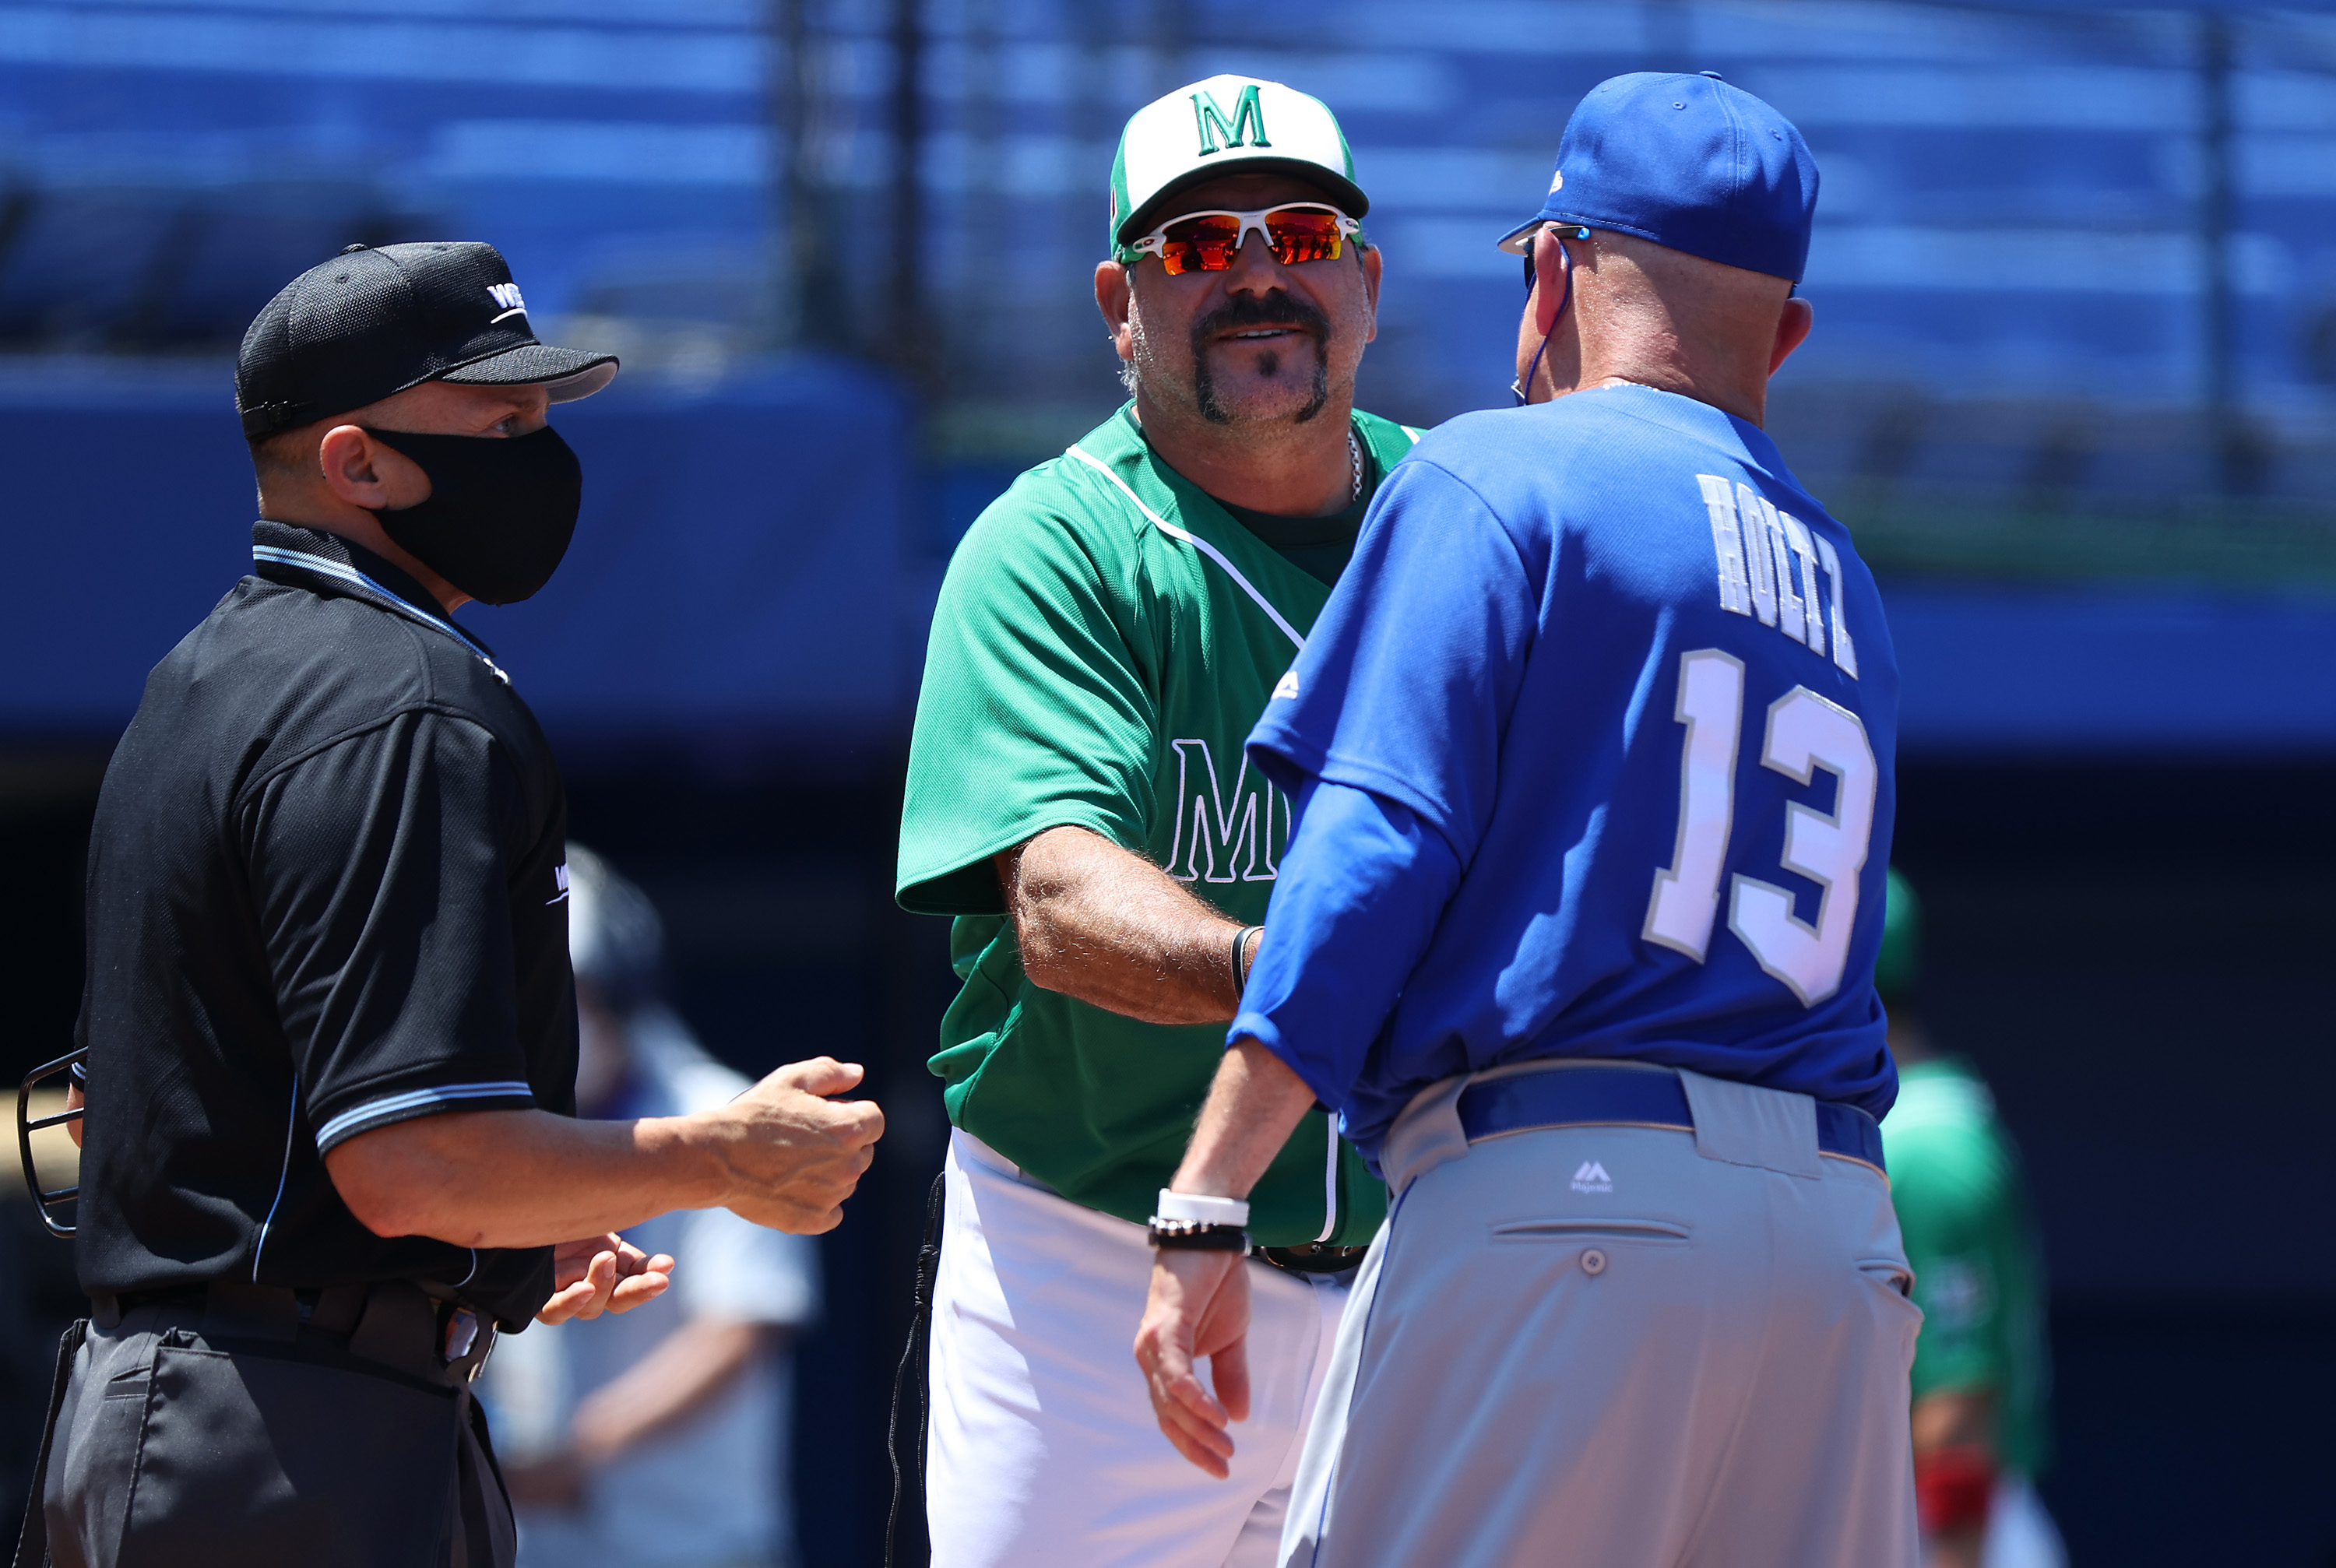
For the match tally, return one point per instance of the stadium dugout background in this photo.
(2074, 387)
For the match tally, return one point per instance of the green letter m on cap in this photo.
(1248, 126)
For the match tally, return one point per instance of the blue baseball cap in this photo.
(1690, 163)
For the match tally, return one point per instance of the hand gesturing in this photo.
(601, 1274)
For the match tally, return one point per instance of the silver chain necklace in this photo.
(1354, 453)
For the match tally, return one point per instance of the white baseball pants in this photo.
(1043, 1451)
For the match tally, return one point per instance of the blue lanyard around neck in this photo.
(324, 566)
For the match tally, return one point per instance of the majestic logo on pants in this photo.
(1592, 1178)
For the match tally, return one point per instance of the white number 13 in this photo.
(1806, 732)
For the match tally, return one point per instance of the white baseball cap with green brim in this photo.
(1225, 125)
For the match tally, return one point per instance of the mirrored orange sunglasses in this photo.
(1206, 241)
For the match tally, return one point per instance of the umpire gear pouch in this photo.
(175, 1449)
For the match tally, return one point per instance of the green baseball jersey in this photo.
(1962, 1206)
(1106, 637)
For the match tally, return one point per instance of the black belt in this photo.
(396, 1323)
(1312, 1260)
(1592, 1096)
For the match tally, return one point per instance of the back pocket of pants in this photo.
(1601, 1227)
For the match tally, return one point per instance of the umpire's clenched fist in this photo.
(792, 1154)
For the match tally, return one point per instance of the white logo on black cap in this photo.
(507, 296)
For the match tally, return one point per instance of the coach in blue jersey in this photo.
(1592, 750)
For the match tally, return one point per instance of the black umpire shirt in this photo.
(327, 891)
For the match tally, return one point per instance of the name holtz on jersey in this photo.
(1760, 548)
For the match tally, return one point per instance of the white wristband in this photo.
(1194, 1209)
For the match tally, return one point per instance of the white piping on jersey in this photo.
(324, 566)
(1331, 1163)
(1330, 1180)
(1195, 540)
(291, 1114)
(414, 1100)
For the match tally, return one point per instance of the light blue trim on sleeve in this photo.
(445, 1093)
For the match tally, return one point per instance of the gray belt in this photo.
(397, 1324)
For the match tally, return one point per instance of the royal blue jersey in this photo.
(1594, 743)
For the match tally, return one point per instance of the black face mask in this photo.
(501, 511)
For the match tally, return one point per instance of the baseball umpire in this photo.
(331, 1038)
(1577, 931)
(1108, 632)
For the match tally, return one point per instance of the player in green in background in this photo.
(1079, 799)
(1981, 1367)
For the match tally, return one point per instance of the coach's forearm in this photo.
(1108, 926)
(1253, 1106)
(523, 1178)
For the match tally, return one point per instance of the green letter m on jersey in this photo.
(1224, 837)
(1248, 117)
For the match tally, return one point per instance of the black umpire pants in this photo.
(222, 1431)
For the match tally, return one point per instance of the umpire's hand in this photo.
(1199, 1307)
(603, 1273)
(793, 1155)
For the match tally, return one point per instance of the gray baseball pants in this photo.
(228, 1436)
(1619, 1346)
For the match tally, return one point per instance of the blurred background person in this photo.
(1982, 1370)
(657, 1440)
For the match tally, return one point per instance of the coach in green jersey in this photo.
(1078, 800)
(1981, 1369)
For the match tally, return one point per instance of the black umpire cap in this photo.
(373, 322)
